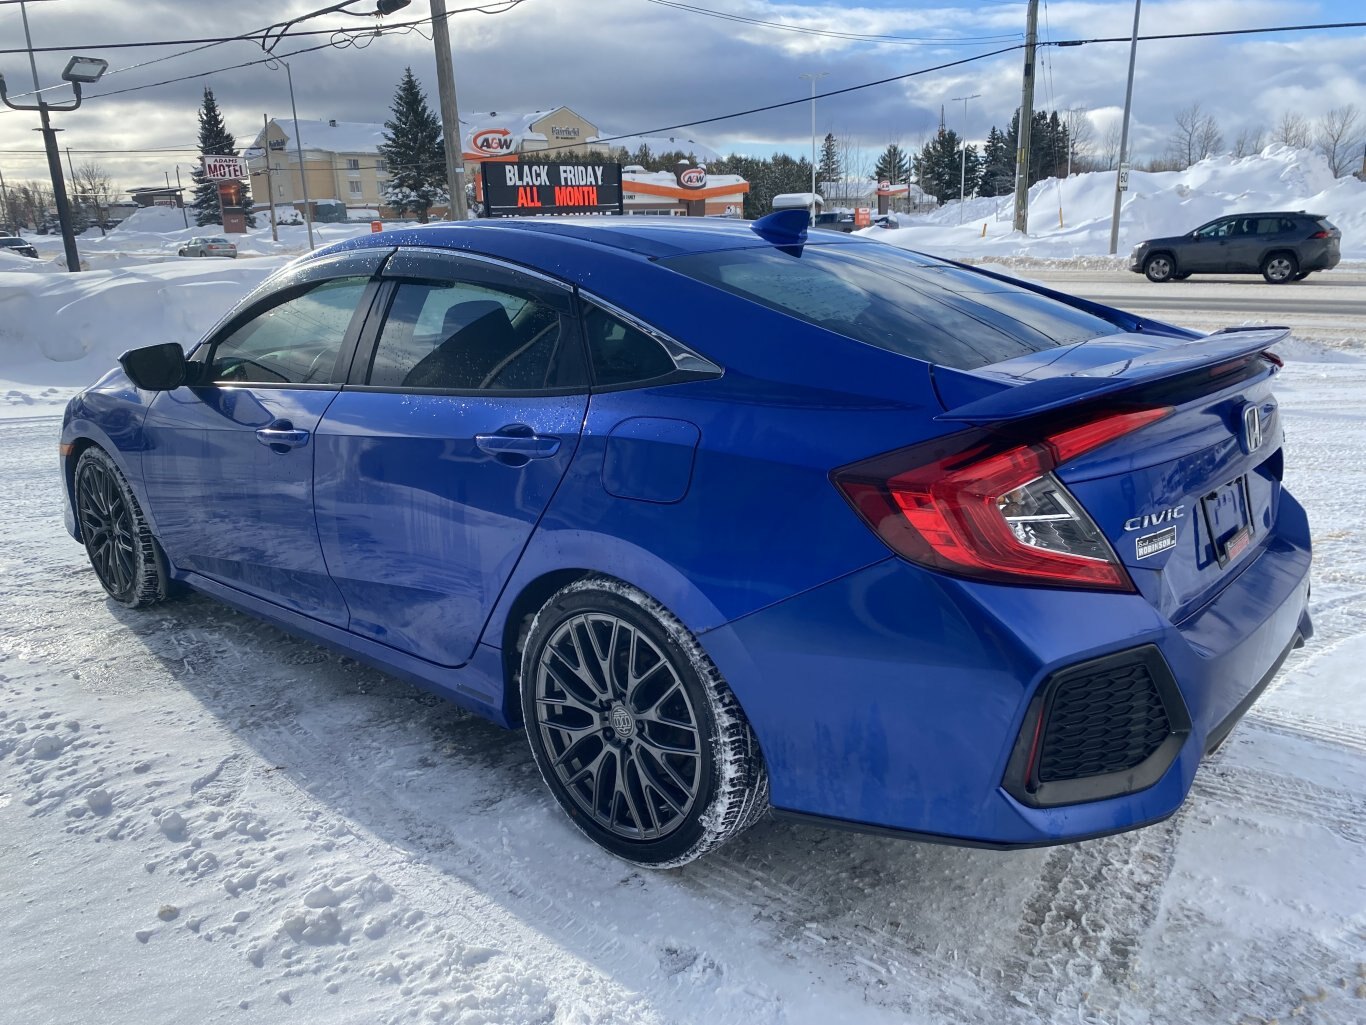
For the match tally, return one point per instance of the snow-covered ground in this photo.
(1156, 205)
(206, 820)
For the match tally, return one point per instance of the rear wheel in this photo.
(1278, 268)
(122, 550)
(1303, 274)
(1181, 276)
(1159, 268)
(633, 729)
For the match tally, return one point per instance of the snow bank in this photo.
(62, 331)
(1156, 204)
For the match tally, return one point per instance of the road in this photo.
(1316, 307)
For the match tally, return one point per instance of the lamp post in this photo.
(963, 171)
(1122, 172)
(78, 71)
(814, 76)
(298, 149)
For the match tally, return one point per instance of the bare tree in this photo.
(1079, 135)
(1292, 130)
(30, 203)
(93, 187)
(1108, 156)
(1338, 136)
(1249, 141)
(1195, 137)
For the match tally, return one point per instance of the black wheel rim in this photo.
(619, 730)
(107, 527)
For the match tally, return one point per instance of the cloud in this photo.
(633, 66)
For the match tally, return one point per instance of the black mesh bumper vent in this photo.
(1107, 721)
(1099, 729)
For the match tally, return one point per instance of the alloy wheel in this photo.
(619, 729)
(107, 528)
(1279, 268)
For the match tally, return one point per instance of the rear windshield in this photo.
(897, 300)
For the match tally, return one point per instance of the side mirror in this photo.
(155, 367)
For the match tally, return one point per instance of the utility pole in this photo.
(299, 149)
(963, 171)
(1122, 172)
(270, 189)
(450, 111)
(179, 195)
(1026, 122)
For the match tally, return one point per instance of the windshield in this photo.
(897, 300)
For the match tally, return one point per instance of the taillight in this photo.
(1321, 234)
(970, 506)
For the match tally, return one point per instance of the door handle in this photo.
(517, 443)
(282, 436)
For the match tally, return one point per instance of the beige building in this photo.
(345, 173)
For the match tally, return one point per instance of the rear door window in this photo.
(896, 300)
(465, 337)
(622, 354)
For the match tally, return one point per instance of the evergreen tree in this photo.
(998, 165)
(414, 151)
(214, 140)
(940, 170)
(830, 168)
(1048, 144)
(892, 166)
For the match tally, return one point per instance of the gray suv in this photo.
(1279, 246)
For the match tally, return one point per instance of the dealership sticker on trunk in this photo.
(1151, 544)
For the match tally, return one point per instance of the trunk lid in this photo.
(1184, 502)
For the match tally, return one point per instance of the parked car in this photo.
(1281, 246)
(216, 246)
(731, 515)
(15, 244)
(836, 221)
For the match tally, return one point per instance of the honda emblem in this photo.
(1252, 428)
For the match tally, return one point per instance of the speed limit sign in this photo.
(1123, 177)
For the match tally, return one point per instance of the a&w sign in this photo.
(216, 167)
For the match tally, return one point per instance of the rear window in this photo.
(898, 301)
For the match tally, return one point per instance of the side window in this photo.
(1219, 229)
(1270, 225)
(1288, 225)
(296, 342)
(459, 336)
(622, 354)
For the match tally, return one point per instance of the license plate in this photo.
(1227, 518)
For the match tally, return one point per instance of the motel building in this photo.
(345, 174)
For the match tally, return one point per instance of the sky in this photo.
(639, 66)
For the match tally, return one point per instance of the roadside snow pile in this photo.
(59, 331)
(1156, 204)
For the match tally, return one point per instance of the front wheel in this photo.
(1159, 268)
(1278, 268)
(635, 732)
(122, 549)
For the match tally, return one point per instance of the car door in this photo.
(1209, 250)
(461, 416)
(229, 466)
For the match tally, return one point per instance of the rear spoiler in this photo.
(1031, 397)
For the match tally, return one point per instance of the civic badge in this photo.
(1252, 428)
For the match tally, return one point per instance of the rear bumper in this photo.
(893, 698)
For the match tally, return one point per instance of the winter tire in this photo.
(1159, 268)
(1279, 268)
(1303, 274)
(633, 728)
(123, 552)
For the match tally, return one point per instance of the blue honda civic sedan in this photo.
(731, 518)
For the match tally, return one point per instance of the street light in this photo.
(963, 171)
(298, 149)
(79, 70)
(814, 76)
